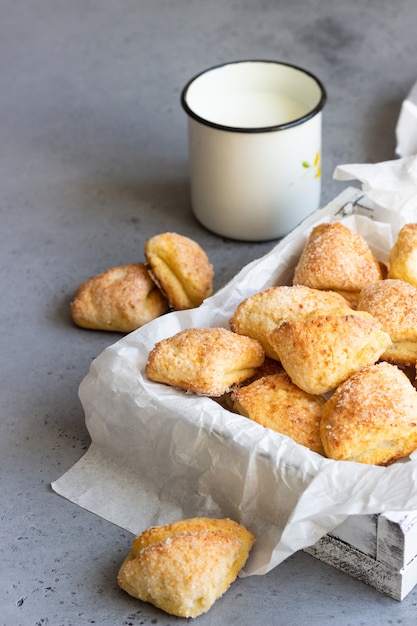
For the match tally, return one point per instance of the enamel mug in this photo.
(254, 131)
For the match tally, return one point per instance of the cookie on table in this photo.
(184, 567)
(180, 268)
(120, 299)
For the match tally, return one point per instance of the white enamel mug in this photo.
(254, 130)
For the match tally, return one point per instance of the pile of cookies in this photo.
(325, 360)
(176, 275)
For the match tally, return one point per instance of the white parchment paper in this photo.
(391, 186)
(159, 454)
(406, 129)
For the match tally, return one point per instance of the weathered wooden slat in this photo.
(342, 556)
(360, 531)
(397, 539)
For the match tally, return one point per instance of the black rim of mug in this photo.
(263, 129)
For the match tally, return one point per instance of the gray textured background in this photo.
(93, 160)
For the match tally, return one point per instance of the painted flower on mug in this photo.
(316, 165)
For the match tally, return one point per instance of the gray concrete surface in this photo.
(93, 160)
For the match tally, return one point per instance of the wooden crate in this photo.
(379, 550)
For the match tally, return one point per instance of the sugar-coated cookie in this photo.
(258, 315)
(403, 255)
(372, 417)
(394, 304)
(184, 567)
(120, 299)
(337, 258)
(276, 403)
(181, 269)
(321, 351)
(206, 361)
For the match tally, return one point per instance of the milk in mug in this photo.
(253, 110)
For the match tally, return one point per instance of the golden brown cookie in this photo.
(403, 255)
(181, 269)
(394, 304)
(206, 361)
(121, 299)
(184, 567)
(321, 351)
(339, 259)
(259, 314)
(372, 417)
(276, 403)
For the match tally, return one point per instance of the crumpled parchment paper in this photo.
(391, 186)
(159, 454)
(406, 129)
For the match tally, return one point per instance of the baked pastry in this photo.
(180, 268)
(206, 361)
(276, 403)
(121, 299)
(339, 259)
(184, 567)
(321, 351)
(394, 303)
(259, 314)
(372, 417)
(268, 367)
(403, 255)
